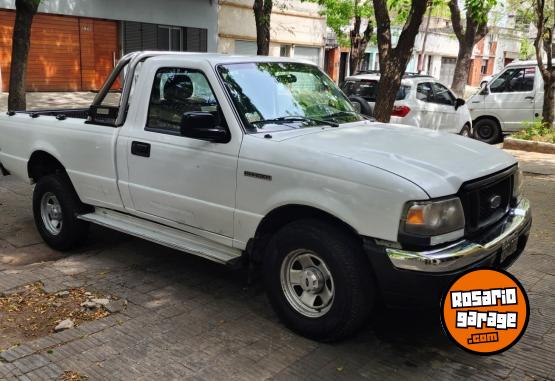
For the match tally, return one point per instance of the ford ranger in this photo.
(264, 160)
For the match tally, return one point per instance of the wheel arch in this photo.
(285, 214)
(42, 163)
(489, 116)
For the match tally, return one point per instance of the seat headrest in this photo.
(178, 88)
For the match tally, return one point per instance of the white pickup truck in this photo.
(264, 159)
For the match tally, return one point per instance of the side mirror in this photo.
(459, 102)
(202, 125)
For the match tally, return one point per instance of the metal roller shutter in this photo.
(308, 53)
(245, 48)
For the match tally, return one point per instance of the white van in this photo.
(512, 97)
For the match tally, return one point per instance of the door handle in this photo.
(140, 149)
(529, 97)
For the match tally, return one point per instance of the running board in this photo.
(163, 235)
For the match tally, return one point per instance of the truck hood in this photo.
(437, 162)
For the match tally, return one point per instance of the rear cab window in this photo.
(368, 90)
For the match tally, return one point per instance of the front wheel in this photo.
(318, 280)
(55, 210)
(487, 131)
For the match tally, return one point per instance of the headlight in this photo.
(517, 183)
(432, 222)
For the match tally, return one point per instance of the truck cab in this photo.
(509, 100)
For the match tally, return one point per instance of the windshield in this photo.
(278, 96)
(368, 89)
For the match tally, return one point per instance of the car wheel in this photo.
(55, 210)
(361, 105)
(487, 131)
(318, 280)
(465, 131)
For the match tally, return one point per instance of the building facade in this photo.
(499, 47)
(297, 29)
(74, 45)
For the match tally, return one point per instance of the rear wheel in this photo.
(318, 280)
(361, 105)
(55, 210)
(487, 130)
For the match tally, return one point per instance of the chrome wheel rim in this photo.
(51, 213)
(307, 283)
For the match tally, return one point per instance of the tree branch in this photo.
(412, 25)
(456, 19)
(481, 32)
(540, 23)
(383, 25)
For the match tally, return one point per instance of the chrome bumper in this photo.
(463, 253)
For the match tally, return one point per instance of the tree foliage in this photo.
(347, 18)
(469, 31)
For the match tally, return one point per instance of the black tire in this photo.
(359, 102)
(72, 230)
(353, 285)
(466, 131)
(487, 130)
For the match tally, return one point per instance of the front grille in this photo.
(486, 201)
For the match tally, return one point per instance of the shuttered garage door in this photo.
(308, 54)
(245, 48)
(61, 58)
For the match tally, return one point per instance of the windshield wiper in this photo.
(285, 119)
(349, 113)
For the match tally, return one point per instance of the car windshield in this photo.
(285, 95)
(368, 89)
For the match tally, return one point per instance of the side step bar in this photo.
(163, 235)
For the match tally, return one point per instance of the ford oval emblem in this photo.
(495, 201)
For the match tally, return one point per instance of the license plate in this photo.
(508, 248)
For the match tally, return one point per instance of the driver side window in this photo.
(442, 95)
(514, 80)
(176, 91)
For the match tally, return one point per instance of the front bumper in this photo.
(404, 276)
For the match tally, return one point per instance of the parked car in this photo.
(513, 97)
(421, 101)
(264, 161)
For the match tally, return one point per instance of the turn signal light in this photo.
(400, 111)
(415, 216)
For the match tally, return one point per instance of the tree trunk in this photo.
(548, 113)
(21, 42)
(262, 14)
(460, 75)
(358, 44)
(393, 61)
(391, 76)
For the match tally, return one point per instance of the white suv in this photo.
(422, 101)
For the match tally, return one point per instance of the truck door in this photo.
(512, 97)
(188, 181)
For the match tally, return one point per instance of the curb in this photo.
(528, 145)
